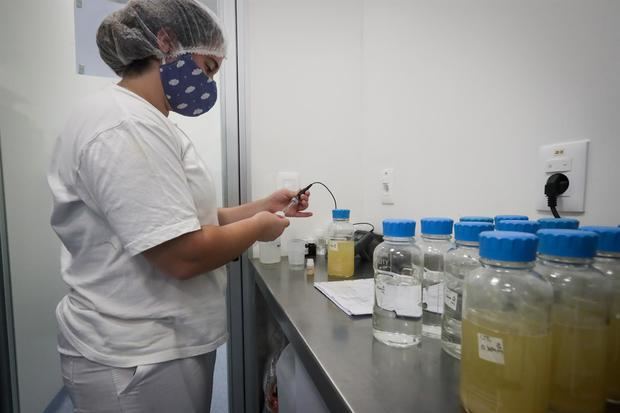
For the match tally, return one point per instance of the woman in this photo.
(143, 242)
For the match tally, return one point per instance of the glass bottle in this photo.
(522, 225)
(579, 318)
(510, 218)
(397, 262)
(340, 246)
(506, 336)
(558, 223)
(459, 262)
(607, 261)
(476, 219)
(435, 242)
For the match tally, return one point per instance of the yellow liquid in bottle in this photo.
(613, 361)
(340, 258)
(515, 382)
(579, 352)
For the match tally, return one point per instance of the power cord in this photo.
(556, 185)
(303, 191)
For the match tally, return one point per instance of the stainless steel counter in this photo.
(352, 371)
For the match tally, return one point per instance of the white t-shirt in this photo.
(124, 179)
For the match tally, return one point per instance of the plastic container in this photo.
(579, 320)
(558, 223)
(269, 252)
(397, 262)
(340, 245)
(296, 254)
(459, 262)
(530, 227)
(436, 240)
(476, 219)
(607, 261)
(506, 347)
(510, 218)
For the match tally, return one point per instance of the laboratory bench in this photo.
(351, 371)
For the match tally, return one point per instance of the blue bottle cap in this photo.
(341, 213)
(608, 238)
(570, 243)
(470, 231)
(476, 219)
(518, 226)
(402, 228)
(510, 218)
(508, 246)
(436, 226)
(558, 223)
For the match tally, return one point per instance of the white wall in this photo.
(38, 87)
(456, 96)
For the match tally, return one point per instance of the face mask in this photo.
(188, 89)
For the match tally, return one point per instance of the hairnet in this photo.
(130, 34)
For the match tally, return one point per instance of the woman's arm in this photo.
(273, 203)
(211, 246)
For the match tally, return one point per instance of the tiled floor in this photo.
(219, 404)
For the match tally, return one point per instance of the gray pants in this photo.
(182, 386)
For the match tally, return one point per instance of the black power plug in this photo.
(556, 185)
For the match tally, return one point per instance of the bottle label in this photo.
(491, 348)
(451, 299)
(433, 298)
(404, 300)
(333, 245)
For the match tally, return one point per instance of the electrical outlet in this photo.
(570, 159)
(387, 186)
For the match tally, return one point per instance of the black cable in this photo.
(366, 223)
(303, 191)
(555, 213)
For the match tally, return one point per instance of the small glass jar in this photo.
(340, 245)
(506, 331)
(580, 320)
(607, 261)
(397, 262)
(435, 241)
(459, 262)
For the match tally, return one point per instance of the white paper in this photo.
(354, 297)
(452, 299)
(333, 246)
(404, 300)
(433, 298)
(491, 348)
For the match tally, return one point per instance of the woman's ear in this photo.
(164, 41)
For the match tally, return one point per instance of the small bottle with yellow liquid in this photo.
(340, 246)
(580, 320)
(607, 261)
(506, 328)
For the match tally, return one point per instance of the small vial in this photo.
(397, 262)
(506, 346)
(607, 261)
(310, 266)
(435, 242)
(579, 319)
(460, 261)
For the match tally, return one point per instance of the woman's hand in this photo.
(270, 225)
(281, 198)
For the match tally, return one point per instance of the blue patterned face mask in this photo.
(188, 89)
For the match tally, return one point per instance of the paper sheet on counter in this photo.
(354, 297)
